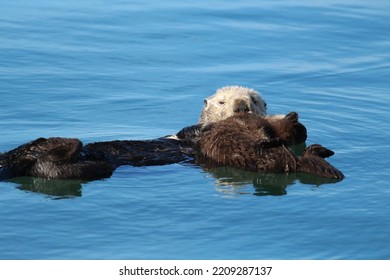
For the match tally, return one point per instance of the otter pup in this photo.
(255, 143)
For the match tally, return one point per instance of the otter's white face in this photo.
(230, 100)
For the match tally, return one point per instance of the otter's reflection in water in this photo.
(231, 180)
(56, 189)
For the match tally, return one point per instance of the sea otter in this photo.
(65, 158)
(255, 143)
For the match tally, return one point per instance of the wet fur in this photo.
(230, 132)
(52, 158)
(255, 143)
(66, 158)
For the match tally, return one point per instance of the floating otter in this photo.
(255, 143)
(64, 158)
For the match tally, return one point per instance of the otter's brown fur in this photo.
(254, 143)
(52, 158)
(66, 158)
(230, 132)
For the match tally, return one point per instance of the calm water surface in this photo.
(101, 71)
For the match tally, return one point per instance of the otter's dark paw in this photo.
(318, 150)
(191, 133)
(188, 131)
(292, 116)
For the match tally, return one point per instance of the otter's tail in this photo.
(313, 162)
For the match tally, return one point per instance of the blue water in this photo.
(103, 70)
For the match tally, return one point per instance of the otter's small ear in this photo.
(292, 116)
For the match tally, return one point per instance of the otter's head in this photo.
(228, 101)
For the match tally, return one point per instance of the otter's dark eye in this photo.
(265, 105)
(221, 102)
(205, 102)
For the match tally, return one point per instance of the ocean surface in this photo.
(103, 70)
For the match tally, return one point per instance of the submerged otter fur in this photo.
(255, 143)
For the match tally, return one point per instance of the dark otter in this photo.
(255, 143)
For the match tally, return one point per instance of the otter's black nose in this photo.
(241, 107)
(241, 110)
